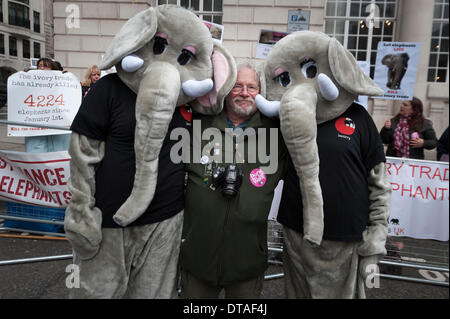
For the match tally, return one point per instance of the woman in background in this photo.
(409, 133)
(91, 77)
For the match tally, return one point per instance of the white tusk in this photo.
(268, 108)
(328, 90)
(131, 63)
(195, 88)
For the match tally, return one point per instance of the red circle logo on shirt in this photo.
(345, 125)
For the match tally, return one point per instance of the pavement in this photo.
(47, 280)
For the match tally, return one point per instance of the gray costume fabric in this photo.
(338, 269)
(137, 262)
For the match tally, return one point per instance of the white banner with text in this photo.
(35, 178)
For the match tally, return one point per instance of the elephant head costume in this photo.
(310, 79)
(167, 56)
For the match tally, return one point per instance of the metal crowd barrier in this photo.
(422, 261)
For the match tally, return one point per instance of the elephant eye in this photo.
(160, 45)
(309, 68)
(185, 57)
(284, 79)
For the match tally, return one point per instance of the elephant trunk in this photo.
(299, 129)
(156, 101)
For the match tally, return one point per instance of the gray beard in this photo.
(240, 111)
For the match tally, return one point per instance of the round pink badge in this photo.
(258, 177)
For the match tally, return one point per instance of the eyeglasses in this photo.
(250, 89)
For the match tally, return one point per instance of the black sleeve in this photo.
(429, 136)
(386, 135)
(93, 117)
(442, 146)
(372, 146)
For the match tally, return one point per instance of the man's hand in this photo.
(387, 124)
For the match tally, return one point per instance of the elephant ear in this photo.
(224, 77)
(136, 32)
(347, 72)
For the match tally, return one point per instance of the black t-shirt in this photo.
(349, 147)
(107, 114)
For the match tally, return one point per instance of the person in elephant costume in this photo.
(337, 167)
(125, 218)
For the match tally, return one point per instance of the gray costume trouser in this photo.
(133, 262)
(329, 271)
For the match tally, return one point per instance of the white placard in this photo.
(396, 68)
(419, 200)
(42, 98)
(267, 39)
(35, 178)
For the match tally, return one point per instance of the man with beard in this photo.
(229, 192)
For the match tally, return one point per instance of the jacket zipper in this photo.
(222, 242)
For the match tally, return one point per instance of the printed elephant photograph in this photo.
(397, 65)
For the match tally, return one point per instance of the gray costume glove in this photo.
(83, 220)
(374, 237)
(365, 262)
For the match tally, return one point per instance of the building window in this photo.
(26, 48)
(438, 63)
(208, 10)
(1, 10)
(2, 43)
(360, 25)
(12, 46)
(36, 22)
(18, 14)
(36, 50)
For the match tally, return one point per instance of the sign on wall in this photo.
(298, 20)
(396, 69)
(35, 178)
(42, 98)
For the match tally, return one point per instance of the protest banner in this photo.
(419, 199)
(35, 178)
(267, 39)
(43, 98)
(396, 68)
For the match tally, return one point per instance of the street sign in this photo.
(298, 20)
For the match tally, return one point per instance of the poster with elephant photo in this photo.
(396, 68)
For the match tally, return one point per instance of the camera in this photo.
(229, 177)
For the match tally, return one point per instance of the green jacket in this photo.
(225, 240)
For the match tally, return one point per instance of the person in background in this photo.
(91, 77)
(442, 147)
(409, 133)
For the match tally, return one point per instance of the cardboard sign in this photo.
(267, 39)
(216, 31)
(396, 68)
(42, 98)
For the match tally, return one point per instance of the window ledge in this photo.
(437, 90)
